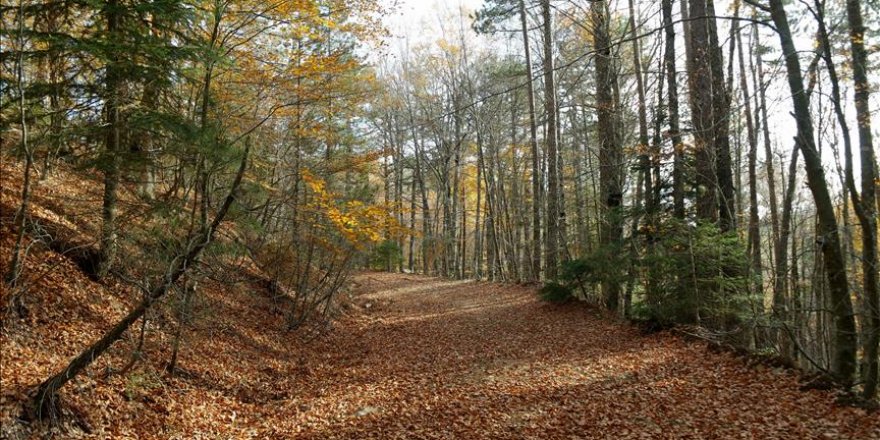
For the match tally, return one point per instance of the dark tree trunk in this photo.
(15, 262)
(844, 331)
(700, 85)
(552, 238)
(754, 229)
(869, 198)
(644, 149)
(112, 138)
(412, 222)
(721, 125)
(672, 106)
(533, 145)
(760, 90)
(610, 154)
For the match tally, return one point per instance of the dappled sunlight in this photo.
(491, 361)
(452, 312)
(430, 287)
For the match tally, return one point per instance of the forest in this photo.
(439, 219)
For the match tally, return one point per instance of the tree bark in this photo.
(16, 263)
(869, 198)
(112, 160)
(754, 229)
(610, 154)
(551, 252)
(644, 151)
(672, 105)
(760, 90)
(700, 86)
(844, 330)
(721, 124)
(533, 144)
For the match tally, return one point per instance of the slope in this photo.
(411, 357)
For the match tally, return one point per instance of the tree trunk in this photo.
(551, 255)
(644, 150)
(533, 144)
(672, 105)
(781, 308)
(721, 124)
(869, 198)
(16, 263)
(112, 153)
(579, 186)
(610, 154)
(426, 211)
(386, 196)
(700, 86)
(412, 222)
(760, 90)
(478, 236)
(844, 331)
(754, 230)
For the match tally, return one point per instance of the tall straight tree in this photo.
(754, 230)
(721, 123)
(644, 153)
(15, 263)
(113, 84)
(610, 153)
(552, 238)
(700, 86)
(710, 105)
(779, 245)
(844, 331)
(672, 108)
(869, 199)
(533, 146)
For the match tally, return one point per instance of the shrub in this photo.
(557, 293)
(386, 255)
(695, 275)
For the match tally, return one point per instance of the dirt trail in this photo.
(412, 358)
(429, 358)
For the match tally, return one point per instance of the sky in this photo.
(421, 17)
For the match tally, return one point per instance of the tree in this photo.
(867, 208)
(551, 138)
(672, 105)
(610, 154)
(844, 323)
(15, 263)
(700, 83)
(754, 231)
(537, 186)
(721, 123)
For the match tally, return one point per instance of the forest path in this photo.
(430, 358)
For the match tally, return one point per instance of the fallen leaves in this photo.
(459, 360)
(414, 357)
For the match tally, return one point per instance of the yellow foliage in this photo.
(359, 223)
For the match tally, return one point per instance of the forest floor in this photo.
(409, 357)
(419, 357)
